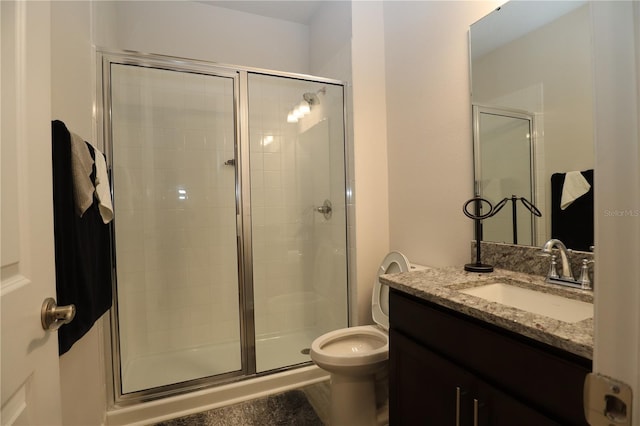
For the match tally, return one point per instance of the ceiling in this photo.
(515, 19)
(299, 11)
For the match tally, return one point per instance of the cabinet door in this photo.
(496, 408)
(425, 389)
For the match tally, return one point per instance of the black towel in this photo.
(574, 225)
(82, 247)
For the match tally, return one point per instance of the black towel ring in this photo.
(478, 205)
(478, 266)
(528, 204)
(500, 205)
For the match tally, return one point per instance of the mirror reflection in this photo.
(532, 98)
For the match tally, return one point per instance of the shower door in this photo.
(230, 230)
(174, 185)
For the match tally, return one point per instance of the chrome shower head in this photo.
(311, 98)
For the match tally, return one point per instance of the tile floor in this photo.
(307, 406)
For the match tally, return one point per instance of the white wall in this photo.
(429, 127)
(330, 41)
(195, 30)
(72, 67)
(370, 150)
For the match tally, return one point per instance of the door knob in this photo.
(53, 316)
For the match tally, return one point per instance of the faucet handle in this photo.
(584, 279)
(553, 270)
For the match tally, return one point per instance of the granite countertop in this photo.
(442, 285)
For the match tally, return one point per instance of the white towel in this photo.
(103, 189)
(574, 187)
(81, 167)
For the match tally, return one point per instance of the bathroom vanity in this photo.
(459, 359)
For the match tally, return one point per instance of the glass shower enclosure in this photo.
(230, 230)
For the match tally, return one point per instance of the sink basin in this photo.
(536, 302)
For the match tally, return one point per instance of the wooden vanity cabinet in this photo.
(446, 368)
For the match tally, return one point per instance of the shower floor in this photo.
(168, 368)
(283, 350)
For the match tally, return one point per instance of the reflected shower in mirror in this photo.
(500, 135)
(532, 98)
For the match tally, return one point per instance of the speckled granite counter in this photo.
(442, 285)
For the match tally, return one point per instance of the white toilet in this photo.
(355, 356)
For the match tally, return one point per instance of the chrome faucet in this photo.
(584, 279)
(547, 250)
(566, 277)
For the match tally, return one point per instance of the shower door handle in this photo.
(325, 209)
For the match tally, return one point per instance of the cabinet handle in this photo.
(476, 410)
(458, 405)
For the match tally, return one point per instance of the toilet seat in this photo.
(351, 350)
(393, 263)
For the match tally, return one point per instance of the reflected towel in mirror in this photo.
(573, 225)
(575, 186)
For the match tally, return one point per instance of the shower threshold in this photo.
(146, 413)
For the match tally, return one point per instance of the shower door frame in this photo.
(239, 74)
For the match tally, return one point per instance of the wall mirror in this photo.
(532, 101)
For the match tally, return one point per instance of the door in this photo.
(617, 231)
(172, 148)
(30, 374)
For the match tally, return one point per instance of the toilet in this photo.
(357, 357)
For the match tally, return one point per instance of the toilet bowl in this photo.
(355, 356)
(352, 351)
